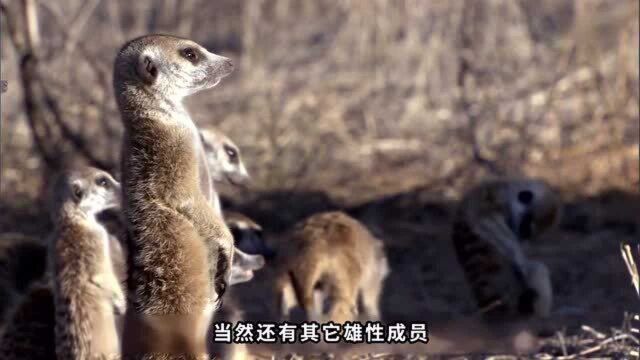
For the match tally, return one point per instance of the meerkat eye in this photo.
(190, 54)
(525, 197)
(232, 153)
(102, 181)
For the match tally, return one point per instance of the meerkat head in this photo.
(89, 189)
(534, 207)
(248, 236)
(223, 158)
(170, 65)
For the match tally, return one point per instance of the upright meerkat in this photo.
(224, 162)
(490, 223)
(332, 255)
(226, 166)
(180, 251)
(87, 293)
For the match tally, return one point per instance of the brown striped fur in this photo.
(490, 223)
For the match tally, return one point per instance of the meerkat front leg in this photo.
(112, 288)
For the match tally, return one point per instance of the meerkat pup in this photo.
(180, 251)
(330, 255)
(87, 293)
(490, 223)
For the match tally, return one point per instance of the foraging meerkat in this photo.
(87, 293)
(490, 223)
(335, 254)
(180, 251)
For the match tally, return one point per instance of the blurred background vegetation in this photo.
(356, 98)
(386, 108)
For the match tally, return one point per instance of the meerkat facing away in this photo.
(334, 256)
(180, 251)
(490, 223)
(87, 293)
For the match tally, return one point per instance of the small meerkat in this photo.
(224, 162)
(179, 250)
(225, 166)
(332, 256)
(87, 293)
(490, 223)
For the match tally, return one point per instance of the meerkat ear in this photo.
(147, 69)
(76, 191)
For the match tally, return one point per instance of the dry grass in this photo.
(390, 105)
(330, 91)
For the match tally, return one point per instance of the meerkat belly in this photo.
(105, 332)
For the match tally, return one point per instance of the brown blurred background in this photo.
(389, 109)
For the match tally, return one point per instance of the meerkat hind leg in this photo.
(370, 296)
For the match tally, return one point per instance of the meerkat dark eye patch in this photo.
(232, 153)
(191, 54)
(103, 181)
(525, 197)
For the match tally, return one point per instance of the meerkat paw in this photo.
(112, 290)
(119, 304)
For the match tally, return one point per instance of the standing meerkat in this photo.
(226, 166)
(490, 223)
(224, 162)
(87, 293)
(180, 251)
(334, 256)
(71, 312)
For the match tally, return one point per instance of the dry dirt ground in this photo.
(590, 281)
(589, 278)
